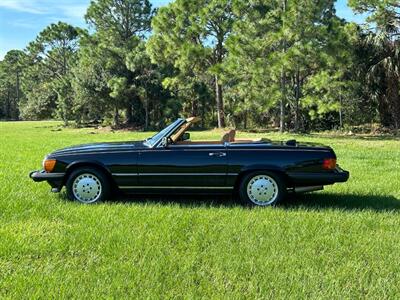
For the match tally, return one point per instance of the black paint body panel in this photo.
(132, 166)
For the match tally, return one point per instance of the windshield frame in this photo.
(156, 139)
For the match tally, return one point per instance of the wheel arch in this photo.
(89, 164)
(259, 168)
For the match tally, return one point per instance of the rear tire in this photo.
(262, 188)
(88, 186)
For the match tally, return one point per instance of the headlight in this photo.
(49, 164)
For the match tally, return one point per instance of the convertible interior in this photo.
(181, 137)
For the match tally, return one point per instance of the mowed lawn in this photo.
(343, 242)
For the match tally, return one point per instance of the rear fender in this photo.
(263, 167)
(258, 167)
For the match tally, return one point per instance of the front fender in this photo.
(85, 162)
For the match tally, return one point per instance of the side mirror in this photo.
(164, 142)
(186, 136)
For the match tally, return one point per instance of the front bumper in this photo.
(54, 179)
(312, 179)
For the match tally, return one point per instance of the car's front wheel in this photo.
(262, 189)
(87, 186)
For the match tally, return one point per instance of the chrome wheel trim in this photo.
(262, 190)
(86, 188)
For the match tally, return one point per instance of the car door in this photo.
(200, 166)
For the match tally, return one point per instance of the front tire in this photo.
(87, 186)
(262, 189)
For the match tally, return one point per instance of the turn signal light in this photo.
(49, 164)
(329, 164)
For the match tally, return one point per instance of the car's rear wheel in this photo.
(262, 189)
(87, 186)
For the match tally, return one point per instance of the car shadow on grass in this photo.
(312, 201)
(323, 201)
(181, 200)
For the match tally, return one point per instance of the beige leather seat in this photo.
(229, 136)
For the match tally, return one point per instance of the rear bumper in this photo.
(54, 179)
(312, 179)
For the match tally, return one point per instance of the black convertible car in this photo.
(260, 171)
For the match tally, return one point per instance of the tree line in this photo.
(292, 64)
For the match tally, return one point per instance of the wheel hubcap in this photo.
(86, 188)
(262, 190)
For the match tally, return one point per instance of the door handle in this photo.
(217, 154)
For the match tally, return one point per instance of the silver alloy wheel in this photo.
(262, 190)
(86, 188)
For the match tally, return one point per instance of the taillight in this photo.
(329, 163)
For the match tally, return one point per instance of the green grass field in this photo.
(343, 242)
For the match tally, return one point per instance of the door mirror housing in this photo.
(185, 136)
(164, 142)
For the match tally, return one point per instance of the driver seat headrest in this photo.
(229, 136)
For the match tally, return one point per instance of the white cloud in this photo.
(74, 11)
(2, 54)
(28, 6)
(69, 11)
(24, 19)
(23, 24)
(63, 8)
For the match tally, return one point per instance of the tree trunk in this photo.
(340, 113)
(384, 111)
(203, 112)
(8, 105)
(394, 100)
(297, 101)
(195, 108)
(153, 114)
(146, 116)
(283, 78)
(129, 114)
(220, 103)
(116, 116)
(17, 96)
(282, 117)
(282, 103)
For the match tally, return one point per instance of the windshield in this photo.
(150, 142)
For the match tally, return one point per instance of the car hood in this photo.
(99, 147)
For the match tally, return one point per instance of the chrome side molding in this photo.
(179, 187)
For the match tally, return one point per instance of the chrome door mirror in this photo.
(164, 142)
(186, 136)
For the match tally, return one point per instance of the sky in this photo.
(22, 20)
